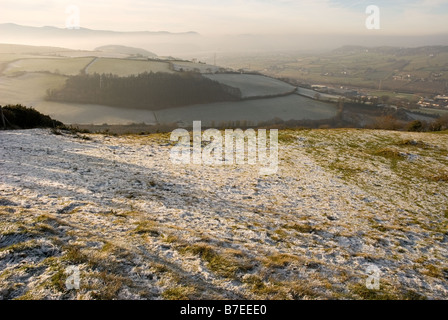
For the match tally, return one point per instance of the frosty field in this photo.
(253, 85)
(66, 66)
(140, 227)
(29, 88)
(252, 111)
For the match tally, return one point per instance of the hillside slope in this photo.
(140, 227)
(127, 50)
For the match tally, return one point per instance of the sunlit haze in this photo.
(208, 17)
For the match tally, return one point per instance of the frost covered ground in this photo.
(140, 227)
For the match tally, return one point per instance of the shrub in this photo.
(386, 123)
(440, 124)
(21, 117)
(415, 126)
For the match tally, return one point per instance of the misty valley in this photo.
(75, 90)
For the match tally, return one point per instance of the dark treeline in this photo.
(144, 91)
(21, 117)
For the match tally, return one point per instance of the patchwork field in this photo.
(28, 75)
(140, 227)
(25, 77)
(27, 72)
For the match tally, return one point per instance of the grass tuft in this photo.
(108, 287)
(226, 264)
(441, 177)
(280, 260)
(302, 228)
(367, 294)
(390, 154)
(179, 293)
(148, 228)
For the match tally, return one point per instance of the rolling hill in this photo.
(127, 50)
(20, 31)
(138, 228)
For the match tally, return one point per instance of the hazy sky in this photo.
(414, 17)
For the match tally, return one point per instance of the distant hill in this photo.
(392, 50)
(166, 43)
(7, 29)
(25, 49)
(126, 50)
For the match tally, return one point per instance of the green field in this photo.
(29, 88)
(125, 67)
(65, 66)
(10, 53)
(6, 58)
(397, 95)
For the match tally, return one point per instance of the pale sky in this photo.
(414, 17)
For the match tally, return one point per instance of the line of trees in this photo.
(150, 91)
